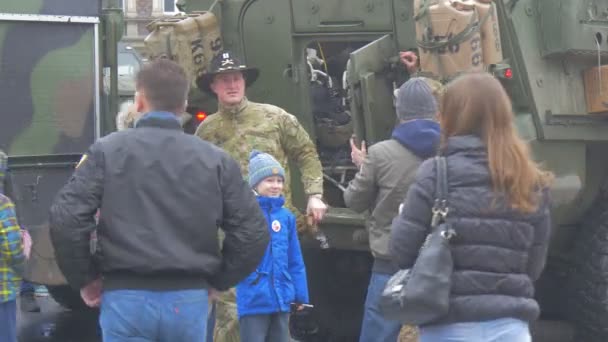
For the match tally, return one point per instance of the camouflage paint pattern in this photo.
(47, 90)
(47, 78)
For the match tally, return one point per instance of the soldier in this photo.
(240, 126)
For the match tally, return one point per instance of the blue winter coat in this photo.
(280, 278)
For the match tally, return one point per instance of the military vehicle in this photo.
(551, 62)
(59, 92)
(549, 55)
(129, 63)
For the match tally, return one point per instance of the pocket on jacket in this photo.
(255, 292)
(290, 290)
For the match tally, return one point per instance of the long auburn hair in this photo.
(477, 104)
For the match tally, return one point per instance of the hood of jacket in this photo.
(420, 136)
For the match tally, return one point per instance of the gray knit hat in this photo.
(415, 100)
(261, 166)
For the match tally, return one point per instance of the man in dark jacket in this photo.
(162, 195)
(380, 186)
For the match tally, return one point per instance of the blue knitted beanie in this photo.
(263, 165)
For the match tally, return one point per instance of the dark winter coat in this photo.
(163, 195)
(498, 252)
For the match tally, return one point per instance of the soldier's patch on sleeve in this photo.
(84, 157)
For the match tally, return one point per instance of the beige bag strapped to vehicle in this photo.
(490, 32)
(450, 38)
(190, 40)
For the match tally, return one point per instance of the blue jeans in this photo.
(160, 316)
(27, 287)
(265, 328)
(375, 327)
(499, 330)
(8, 321)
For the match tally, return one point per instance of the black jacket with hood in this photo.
(162, 195)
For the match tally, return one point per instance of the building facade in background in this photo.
(139, 13)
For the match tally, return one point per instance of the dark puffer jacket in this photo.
(498, 252)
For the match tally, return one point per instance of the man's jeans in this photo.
(375, 327)
(160, 316)
(500, 330)
(8, 321)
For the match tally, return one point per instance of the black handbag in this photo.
(421, 294)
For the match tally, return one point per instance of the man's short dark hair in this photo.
(164, 84)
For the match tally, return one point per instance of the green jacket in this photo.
(270, 129)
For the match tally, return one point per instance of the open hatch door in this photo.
(372, 74)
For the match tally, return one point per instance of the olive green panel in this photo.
(555, 85)
(341, 15)
(372, 92)
(52, 7)
(404, 24)
(567, 26)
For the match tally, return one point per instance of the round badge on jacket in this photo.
(276, 226)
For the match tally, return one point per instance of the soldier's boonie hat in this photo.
(226, 62)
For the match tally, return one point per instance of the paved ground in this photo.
(55, 324)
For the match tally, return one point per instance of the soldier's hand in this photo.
(410, 60)
(213, 294)
(316, 208)
(357, 155)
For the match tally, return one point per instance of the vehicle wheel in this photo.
(67, 297)
(588, 278)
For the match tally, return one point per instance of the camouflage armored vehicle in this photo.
(333, 63)
(58, 90)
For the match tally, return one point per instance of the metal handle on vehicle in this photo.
(337, 24)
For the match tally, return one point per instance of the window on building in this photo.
(121, 4)
(169, 6)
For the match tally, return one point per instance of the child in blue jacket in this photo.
(264, 298)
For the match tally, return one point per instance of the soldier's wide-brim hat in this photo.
(224, 63)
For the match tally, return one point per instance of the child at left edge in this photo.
(264, 298)
(13, 253)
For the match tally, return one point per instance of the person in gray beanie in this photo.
(385, 174)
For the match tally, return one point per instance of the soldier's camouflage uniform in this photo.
(240, 129)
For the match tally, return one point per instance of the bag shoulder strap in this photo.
(440, 207)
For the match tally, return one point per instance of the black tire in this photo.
(588, 278)
(68, 298)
